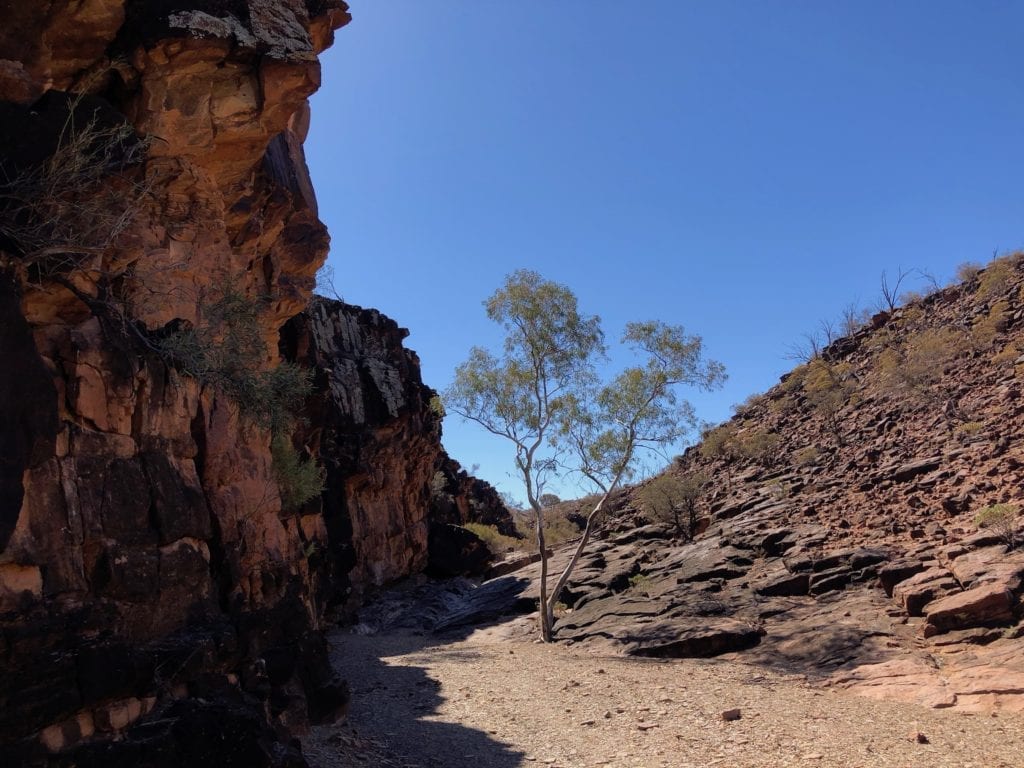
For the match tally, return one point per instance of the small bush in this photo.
(558, 529)
(989, 326)
(641, 583)
(80, 199)
(1003, 520)
(995, 278)
(671, 499)
(1008, 354)
(226, 352)
(498, 543)
(918, 365)
(298, 479)
(829, 388)
(718, 442)
(759, 445)
(807, 456)
(967, 271)
(969, 429)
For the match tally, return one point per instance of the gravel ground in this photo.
(497, 700)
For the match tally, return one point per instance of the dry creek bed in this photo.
(495, 699)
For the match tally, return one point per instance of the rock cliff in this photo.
(159, 603)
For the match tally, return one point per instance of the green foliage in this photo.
(558, 528)
(641, 583)
(673, 499)
(988, 326)
(437, 407)
(969, 430)
(829, 387)
(549, 499)
(718, 442)
(497, 542)
(1008, 354)
(995, 278)
(917, 365)
(759, 445)
(1003, 520)
(226, 352)
(298, 479)
(543, 394)
(807, 456)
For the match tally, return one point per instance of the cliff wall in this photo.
(158, 603)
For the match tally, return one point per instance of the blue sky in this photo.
(744, 169)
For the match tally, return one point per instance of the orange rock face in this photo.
(141, 526)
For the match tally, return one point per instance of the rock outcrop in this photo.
(159, 604)
(376, 429)
(846, 549)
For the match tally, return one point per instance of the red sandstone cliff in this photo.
(152, 586)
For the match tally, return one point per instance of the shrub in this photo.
(969, 429)
(673, 499)
(558, 528)
(829, 387)
(718, 442)
(1003, 520)
(641, 583)
(74, 204)
(807, 456)
(1008, 354)
(967, 271)
(759, 445)
(987, 327)
(497, 542)
(226, 352)
(995, 278)
(918, 365)
(298, 479)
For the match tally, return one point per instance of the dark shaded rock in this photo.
(893, 573)
(456, 551)
(912, 469)
(28, 407)
(784, 584)
(826, 581)
(194, 732)
(179, 508)
(923, 587)
(677, 640)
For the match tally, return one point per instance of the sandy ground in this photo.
(495, 699)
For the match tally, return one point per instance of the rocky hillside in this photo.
(836, 533)
(166, 559)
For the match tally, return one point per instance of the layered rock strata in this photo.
(158, 604)
(845, 548)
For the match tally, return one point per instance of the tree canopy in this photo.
(543, 394)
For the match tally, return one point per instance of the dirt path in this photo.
(497, 700)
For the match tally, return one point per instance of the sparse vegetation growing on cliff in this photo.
(227, 352)
(1003, 520)
(544, 396)
(59, 215)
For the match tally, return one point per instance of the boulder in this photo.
(990, 603)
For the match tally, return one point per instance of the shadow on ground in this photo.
(394, 704)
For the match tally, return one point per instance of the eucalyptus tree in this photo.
(543, 394)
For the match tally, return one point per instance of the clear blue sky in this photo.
(742, 168)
